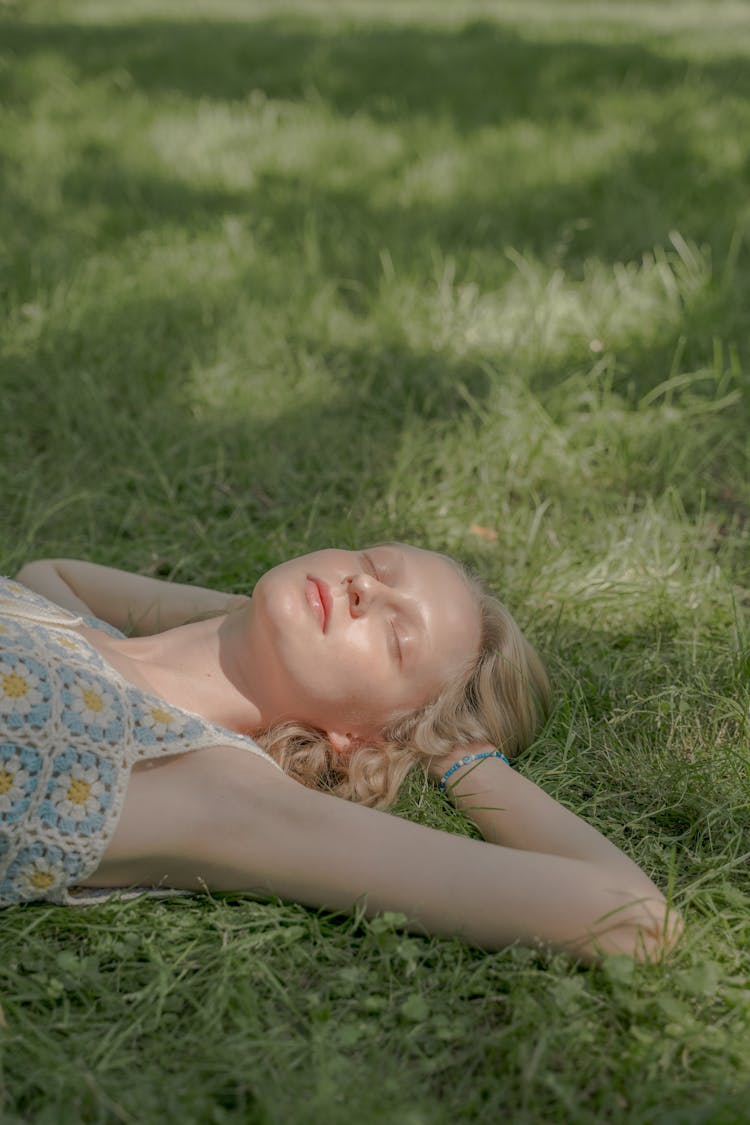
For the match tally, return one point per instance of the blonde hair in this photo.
(502, 698)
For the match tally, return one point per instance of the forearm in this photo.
(131, 602)
(513, 812)
(509, 809)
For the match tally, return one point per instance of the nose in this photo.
(363, 591)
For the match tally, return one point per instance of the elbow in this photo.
(29, 569)
(23, 574)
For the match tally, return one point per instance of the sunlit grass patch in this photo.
(542, 314)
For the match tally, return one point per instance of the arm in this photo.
(223, 819)
(512, 811)
(131, 602)
(509, 809)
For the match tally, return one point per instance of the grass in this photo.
(277, 276)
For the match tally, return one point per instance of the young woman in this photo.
(162, 735)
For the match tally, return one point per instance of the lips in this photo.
(318, 594)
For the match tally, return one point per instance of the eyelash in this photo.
(376, 574)
(371, 565)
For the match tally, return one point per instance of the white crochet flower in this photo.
(19, 688)
(93, 703)
(13, 780)
(70, 642)
(78, 792)
(159, 719)
(40, 874)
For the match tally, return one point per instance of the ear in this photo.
(341, 742)
(344, 741)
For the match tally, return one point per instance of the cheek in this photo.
(276, 642)
(363, 664)
(281, 612)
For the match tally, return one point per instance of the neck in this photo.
(198, 667)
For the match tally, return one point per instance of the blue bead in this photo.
(470, 758)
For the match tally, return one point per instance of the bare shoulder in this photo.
(175, 805)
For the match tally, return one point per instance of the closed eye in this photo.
(371, 566)
(397, 644)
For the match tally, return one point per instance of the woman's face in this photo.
(348, 641)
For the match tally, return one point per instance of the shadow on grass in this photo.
(109, 407)
(115, 389)
(477, 76)
(105, 204)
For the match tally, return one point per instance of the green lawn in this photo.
(277, 276)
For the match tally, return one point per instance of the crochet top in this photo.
(71, 729)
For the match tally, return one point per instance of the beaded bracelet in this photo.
(470, 758)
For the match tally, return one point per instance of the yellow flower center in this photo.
(78, 791)
(92, 699)
(15, 686)
(41, 880)
(6, 780)
(159, 715)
